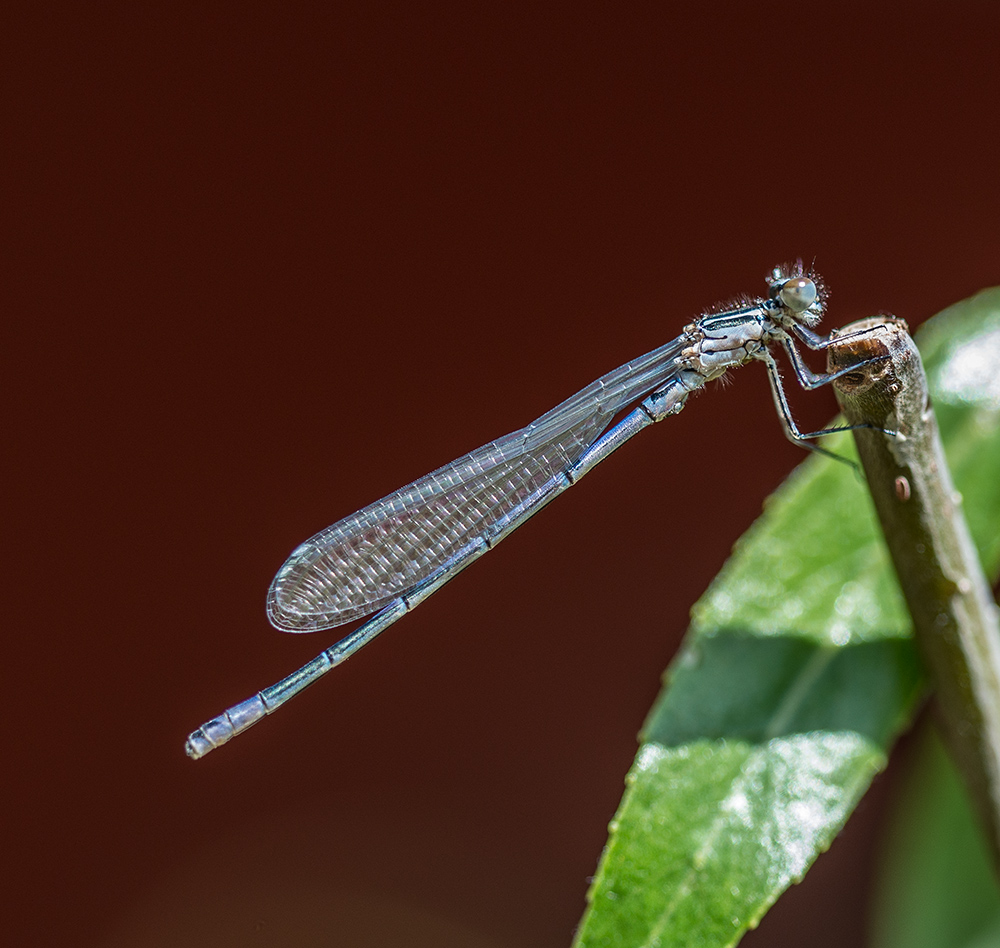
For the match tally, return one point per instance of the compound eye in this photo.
(798, 294)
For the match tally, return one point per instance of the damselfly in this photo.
(393, 554)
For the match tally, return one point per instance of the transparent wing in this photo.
(366, 560)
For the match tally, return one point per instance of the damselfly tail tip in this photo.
(197, 745)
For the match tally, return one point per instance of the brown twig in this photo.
(949, 598)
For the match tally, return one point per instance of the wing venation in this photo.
(363, 562)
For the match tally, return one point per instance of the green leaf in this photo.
(795, 676)
(936, 887)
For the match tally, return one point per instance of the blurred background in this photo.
(268, 262)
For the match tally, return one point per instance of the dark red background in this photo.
(268, 263)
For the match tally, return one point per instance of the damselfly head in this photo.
(800, 294)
